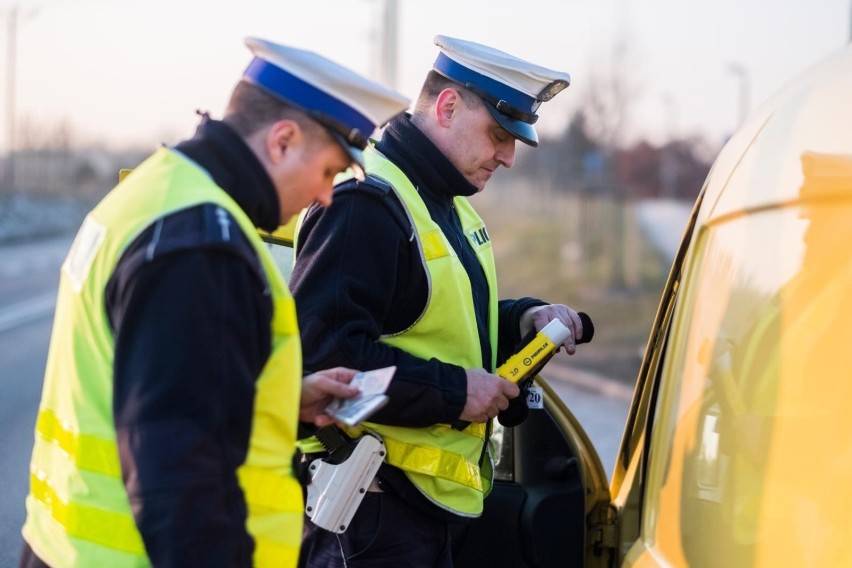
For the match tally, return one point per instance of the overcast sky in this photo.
(133, 72)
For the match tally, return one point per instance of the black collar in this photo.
(426, 167)
(217, 148)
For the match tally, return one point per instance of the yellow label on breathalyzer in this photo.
(518, 366)
(536, 353)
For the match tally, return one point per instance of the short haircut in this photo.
(432, 87)
(251, 108)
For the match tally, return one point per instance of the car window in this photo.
(736, 425)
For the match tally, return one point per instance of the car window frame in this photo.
(627, 488)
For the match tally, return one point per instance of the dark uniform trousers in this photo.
(385, 532)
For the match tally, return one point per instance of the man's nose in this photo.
(506, 153)
(324, 197)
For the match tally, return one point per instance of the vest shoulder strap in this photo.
(381, 189)
(204, 226)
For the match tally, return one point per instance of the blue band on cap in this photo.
(303, 94)
(498, 90)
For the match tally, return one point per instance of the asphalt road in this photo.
(29, 274)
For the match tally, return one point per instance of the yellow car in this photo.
(737, 449)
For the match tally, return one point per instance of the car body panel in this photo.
(549, 505)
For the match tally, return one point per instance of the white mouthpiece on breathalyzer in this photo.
(556, 331)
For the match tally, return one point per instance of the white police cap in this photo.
(512, 88)
(350, 106)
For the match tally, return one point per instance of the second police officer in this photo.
(400, 271)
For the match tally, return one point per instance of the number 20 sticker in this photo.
(535, 398)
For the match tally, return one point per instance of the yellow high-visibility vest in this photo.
(443, 463)
(78, 512)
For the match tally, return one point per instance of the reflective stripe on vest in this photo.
(435, 462)
(88, 452)
(78, 512)
(107, 528)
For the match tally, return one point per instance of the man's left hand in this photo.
(538, 317)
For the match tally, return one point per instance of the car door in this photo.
(549, 486)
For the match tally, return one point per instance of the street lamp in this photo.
(385, 39)
(742, 74)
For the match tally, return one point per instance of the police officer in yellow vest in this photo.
(400, 271)
(174, 385)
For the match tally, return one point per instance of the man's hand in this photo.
(319, 389)
(538, 317)
(487, 395)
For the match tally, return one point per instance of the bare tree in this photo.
(606, 100)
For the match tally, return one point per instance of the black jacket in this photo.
(358, 275)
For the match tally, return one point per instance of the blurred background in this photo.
(591, 218)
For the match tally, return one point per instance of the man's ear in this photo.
(446, 105)
(283, 135)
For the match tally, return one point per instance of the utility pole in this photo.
(11, 48)
(13, 18)
(388, 43)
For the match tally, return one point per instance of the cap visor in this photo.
(355, 154)
(519, 129)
